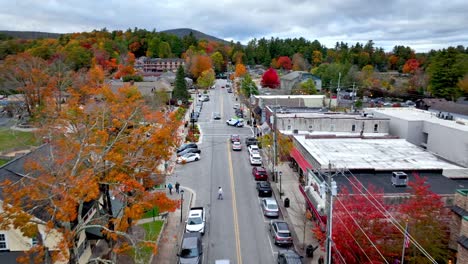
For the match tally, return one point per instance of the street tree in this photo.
(240, 70)
(270, 79)
(218, 61)
(199, 64)
(180, 88)
(206, 79)
(248, 86)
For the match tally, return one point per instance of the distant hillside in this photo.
(29, 34)
(181, 32)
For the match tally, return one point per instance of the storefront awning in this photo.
(297, 156)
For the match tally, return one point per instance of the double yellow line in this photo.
(234, 207)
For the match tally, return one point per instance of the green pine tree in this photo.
(180, 90)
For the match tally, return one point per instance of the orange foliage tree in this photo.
(98, 151)
(411, 66)
(126, 68)
(240, 70)
(199, 64)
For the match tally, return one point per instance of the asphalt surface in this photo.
(236, 228)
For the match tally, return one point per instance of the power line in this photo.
(359, 245)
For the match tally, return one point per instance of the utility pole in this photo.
(330, 191)
(275, 143)
(338, 90)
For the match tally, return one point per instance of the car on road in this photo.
(237, 122)
(204, 98)
(186, 146)
(236, 106)
(255, 159)
(234, 138)
(189, 157)
(251, 141)
(189, 150)
(259, 174)
(270, 207)
(279, 230)
(191, 250)
(216, 116)
(253, 149)
(229, 90)
(264, 189)
(196, 220)
(236, 145)
(289, 257)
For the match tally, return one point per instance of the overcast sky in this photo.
(422, 25)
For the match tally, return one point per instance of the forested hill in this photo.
(182, 32)
(29, 34)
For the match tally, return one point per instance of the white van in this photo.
(399, 178)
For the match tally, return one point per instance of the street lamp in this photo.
(280, 174)
(181, 204)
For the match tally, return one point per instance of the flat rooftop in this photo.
(328, 115)
(413, 114)
(290, 96)
(373, 154)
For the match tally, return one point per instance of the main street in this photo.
(236, 228)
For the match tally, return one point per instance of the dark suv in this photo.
(264, 189)
(251, 141)
(187, 146)
(279, 230)
(289, 257)
(191, 250)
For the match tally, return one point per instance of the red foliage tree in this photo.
(270, 79)
(285, 62)
(411, 66)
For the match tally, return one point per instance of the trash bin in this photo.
(286, 202)
(310, 251)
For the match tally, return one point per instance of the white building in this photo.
(445, 138)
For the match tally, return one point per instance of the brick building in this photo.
(149, 65)
(459, 227)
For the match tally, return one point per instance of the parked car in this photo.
(186, 146)
(236, 145)
(216, 116)
(237, 122)
(289, 257)
(196, 220)
(239, 113)
(191, 250)
(205, 98)
(236, 106)
(235, 138)
(189, 157)
(255, 159)
(270, 207)
(279, 230)
(229, 90)
(189, 150)
(264, 189)
(253, 149)
(251, 141)
(259, 174)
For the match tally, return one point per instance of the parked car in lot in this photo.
(236, 145)
(279, 230)
(259, 174)
(255, 159)
(186, 146)
(191, 250)
(264, 189)
(237, 122)
(189, 157)
(289, 257)
(196, 220)
(270, 207)
(189, 150)
(235, 138)
(253, 149)
(216, 116)
(250, 141)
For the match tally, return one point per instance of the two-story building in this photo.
(291, 80)
(154, 65)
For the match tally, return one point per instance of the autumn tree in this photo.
(284, 62)
(299, 63)
(180, 88)
(240, 70)
(248, 86)
(411, 66)
(270, 79)
(77, 56)
(307, 87)
(218, 61)
(316, 58)
(199, 64)
(463, 84)
(206, 79)
(126, 67)
(97, 151)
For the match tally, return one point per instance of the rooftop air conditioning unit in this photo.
(295, 131)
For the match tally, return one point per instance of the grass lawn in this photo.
(10, 139)
(152, 231)
(149, 213)
(3, 161)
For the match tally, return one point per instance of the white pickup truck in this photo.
(196, 220)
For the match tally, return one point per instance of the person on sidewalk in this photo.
(220, 193)
(177, 186)
(169, 186)
(321, 260)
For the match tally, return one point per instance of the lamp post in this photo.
(280, 174)
(181, 204)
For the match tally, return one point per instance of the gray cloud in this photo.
(423, 25)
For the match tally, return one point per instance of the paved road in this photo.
(236, 229)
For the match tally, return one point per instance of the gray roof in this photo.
(463, 240)
(459, 211)
(145, 88)
(291, 76)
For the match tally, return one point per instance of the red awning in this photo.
(297, 156)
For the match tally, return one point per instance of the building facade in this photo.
(145, 64)
(290, 80)
(459, 226)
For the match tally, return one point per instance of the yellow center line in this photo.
(234, 207)
(222, 108)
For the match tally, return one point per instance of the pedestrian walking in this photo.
(169, 186)
(177, 186)
(220, 193)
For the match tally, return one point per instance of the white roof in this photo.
(413, 114)
(289, 96)
(330, 115)
(337, 134)
(378, 154)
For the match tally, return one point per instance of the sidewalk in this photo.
(295, 213)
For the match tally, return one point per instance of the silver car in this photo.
(270, 207)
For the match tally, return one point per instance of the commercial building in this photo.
(459, 226)
(153, 65)
(293, 79)
(439, 133)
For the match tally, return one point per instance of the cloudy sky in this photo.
(422, 25)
